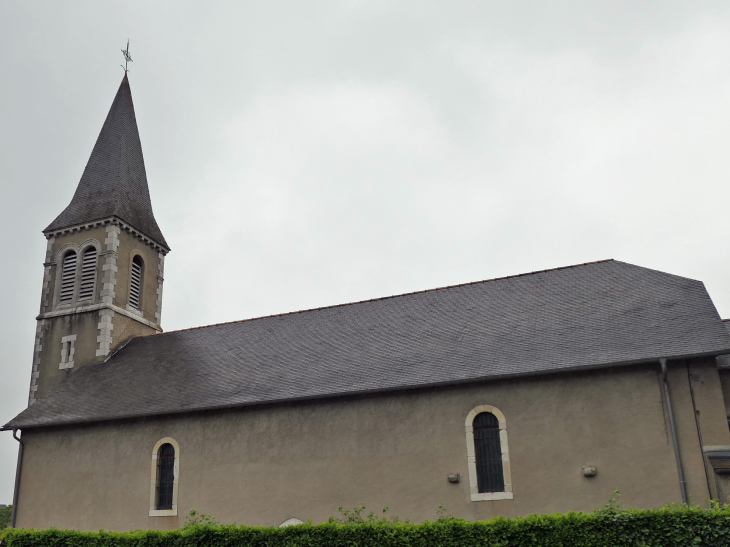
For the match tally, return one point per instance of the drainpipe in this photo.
(672, 426)
(18, 470)
(699, 432)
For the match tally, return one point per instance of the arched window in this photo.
(488, 454)
(165, 476)
(88, 273)
(164, 479)
(68, 277)
(135, 287)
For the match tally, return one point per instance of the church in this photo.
(533, 393)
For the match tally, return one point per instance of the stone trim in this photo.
(47, 268)
(472, 459)
(67, 352)
(109, 268)
(95, 307)
(134, 311)
(113, 221)
(160, 281)
(105, 326)
(153, 481)
(38, 347)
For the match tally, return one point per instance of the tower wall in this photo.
(82, 332)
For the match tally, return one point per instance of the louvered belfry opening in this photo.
(135, 288)
(88, 273)
(165, 475)
(68, 277)
(490, 476)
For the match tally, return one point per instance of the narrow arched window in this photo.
(487, 450)
(135, 288)
(488, 453)
(88, 273)
(165, 473)
(68, 277)
(165, 476)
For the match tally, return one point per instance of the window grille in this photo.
(165, 476)
(88, 273)
(68, 277)
(135, 288)
(488, 451)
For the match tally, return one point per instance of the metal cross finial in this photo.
(127, 58)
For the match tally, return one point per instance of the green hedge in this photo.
(5, 513)
(669, 527)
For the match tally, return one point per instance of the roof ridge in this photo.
(381, 298)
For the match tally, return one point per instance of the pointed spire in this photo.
(114, 183)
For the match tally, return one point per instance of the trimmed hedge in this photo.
(5, 513)
(668, 527)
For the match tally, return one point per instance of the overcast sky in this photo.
(301, 154)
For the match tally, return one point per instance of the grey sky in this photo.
(301, 154)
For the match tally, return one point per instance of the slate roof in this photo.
(114, 182)
(593, 315)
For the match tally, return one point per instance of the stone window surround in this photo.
(67, 352)
(79, 250)
(471, 456)
(128, 307)
(154, 512)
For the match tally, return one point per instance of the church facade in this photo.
(533, 393)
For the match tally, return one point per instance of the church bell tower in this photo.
(103, 272)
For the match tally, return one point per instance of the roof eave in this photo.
(713, 353)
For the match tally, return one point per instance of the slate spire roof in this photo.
(590, 316)
(114, 182)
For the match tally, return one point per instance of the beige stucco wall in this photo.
(725, 382)
(84, 325)
(264, 465)
(709, 407)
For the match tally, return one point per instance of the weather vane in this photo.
(127, 58)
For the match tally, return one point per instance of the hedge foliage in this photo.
(5, 513)
(610, 527)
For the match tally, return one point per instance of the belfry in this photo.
(105, 256)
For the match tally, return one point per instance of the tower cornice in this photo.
(113, 221)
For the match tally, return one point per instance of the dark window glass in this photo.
(165, 475)
(490, 477)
